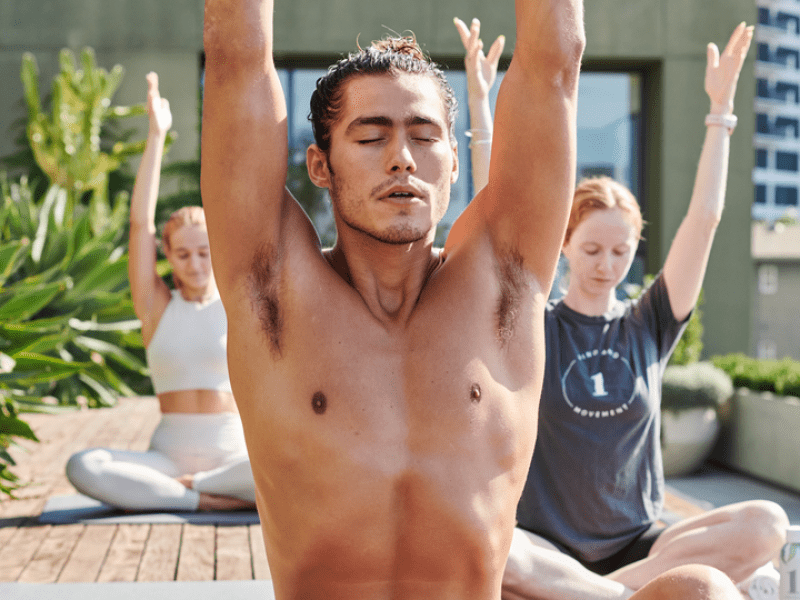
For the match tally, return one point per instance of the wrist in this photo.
(728, 121)
(725, 108)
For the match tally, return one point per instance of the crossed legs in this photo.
(734, 540)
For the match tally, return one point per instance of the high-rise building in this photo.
(777, 138)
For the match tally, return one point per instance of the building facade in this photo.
(776, 254)
(777, 106)
(642, 102)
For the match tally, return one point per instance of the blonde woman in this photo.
(197, 458)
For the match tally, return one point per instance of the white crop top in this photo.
(188, 351)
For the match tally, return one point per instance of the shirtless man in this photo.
(388, 392)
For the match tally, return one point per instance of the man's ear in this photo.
(317, 165)
(454, 173)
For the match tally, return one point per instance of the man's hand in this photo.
(157, 107)
(722, 72)
(481, 69)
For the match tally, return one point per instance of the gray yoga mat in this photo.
(76, 508)
(168, 590)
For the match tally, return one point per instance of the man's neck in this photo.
(388, 277)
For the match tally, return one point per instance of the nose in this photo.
(195, 262)
(400, 157)
(604, 264)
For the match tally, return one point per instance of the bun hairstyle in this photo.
(188, 215)
(602, 193)
(389, 56)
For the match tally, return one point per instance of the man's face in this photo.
(391, 164)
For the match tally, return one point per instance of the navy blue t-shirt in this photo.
(596, 479)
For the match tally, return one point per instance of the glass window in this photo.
(767, 349)
(763, 16)
(763, 53)
(788, 22)
(784, 123)
(787, 57)
(762, 88)
(786, 161)
(761, 194)
(761, 158)
(785, 90)
(785, 195)
(768, 279)
(762, 124)
(609, 123)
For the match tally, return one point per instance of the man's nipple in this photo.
(475, 393)
(319, 403)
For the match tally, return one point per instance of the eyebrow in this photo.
(381, 121)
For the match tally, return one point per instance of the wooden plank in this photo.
(233, 558)
(52, 554)
(196, 562)
(20, 549)
(259, 553)
(160, 558)
(125, 553)
(88, 555)
(8, 529)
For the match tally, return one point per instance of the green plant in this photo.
(67, 327)
(777, 376)
(66, 136)
(697, 385)
(68, 333)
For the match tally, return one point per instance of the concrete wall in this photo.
(759, 437)
(664, 38)
(775, 315)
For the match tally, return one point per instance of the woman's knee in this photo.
(766, 524)
(83, 467)
(691, 582)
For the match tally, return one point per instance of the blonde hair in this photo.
(602, 193)
(188, 215)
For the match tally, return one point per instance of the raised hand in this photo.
(481, 69)
(157, 107)
(722, 72)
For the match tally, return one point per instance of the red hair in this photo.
(602, 193)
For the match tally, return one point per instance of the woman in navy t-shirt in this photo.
(588, 515)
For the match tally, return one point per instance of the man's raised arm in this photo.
(244, 147)
(532, 174)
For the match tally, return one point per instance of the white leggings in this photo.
(209, 446)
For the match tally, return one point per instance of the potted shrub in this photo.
(691, 396)
(759, 433)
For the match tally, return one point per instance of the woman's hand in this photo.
(722, 72)
(157, 107)
(481, 69)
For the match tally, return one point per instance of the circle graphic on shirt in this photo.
(599, 384)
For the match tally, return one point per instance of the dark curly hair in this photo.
(387, 56)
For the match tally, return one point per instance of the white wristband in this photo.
(727, 121)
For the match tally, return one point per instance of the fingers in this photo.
(463, 31)
(470, 37)
(740, 40)
(712, 56)
(152, 82)
(496, 50)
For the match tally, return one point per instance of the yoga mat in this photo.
(76, 508)
(167, 590)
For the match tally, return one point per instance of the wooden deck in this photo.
(34, 553)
